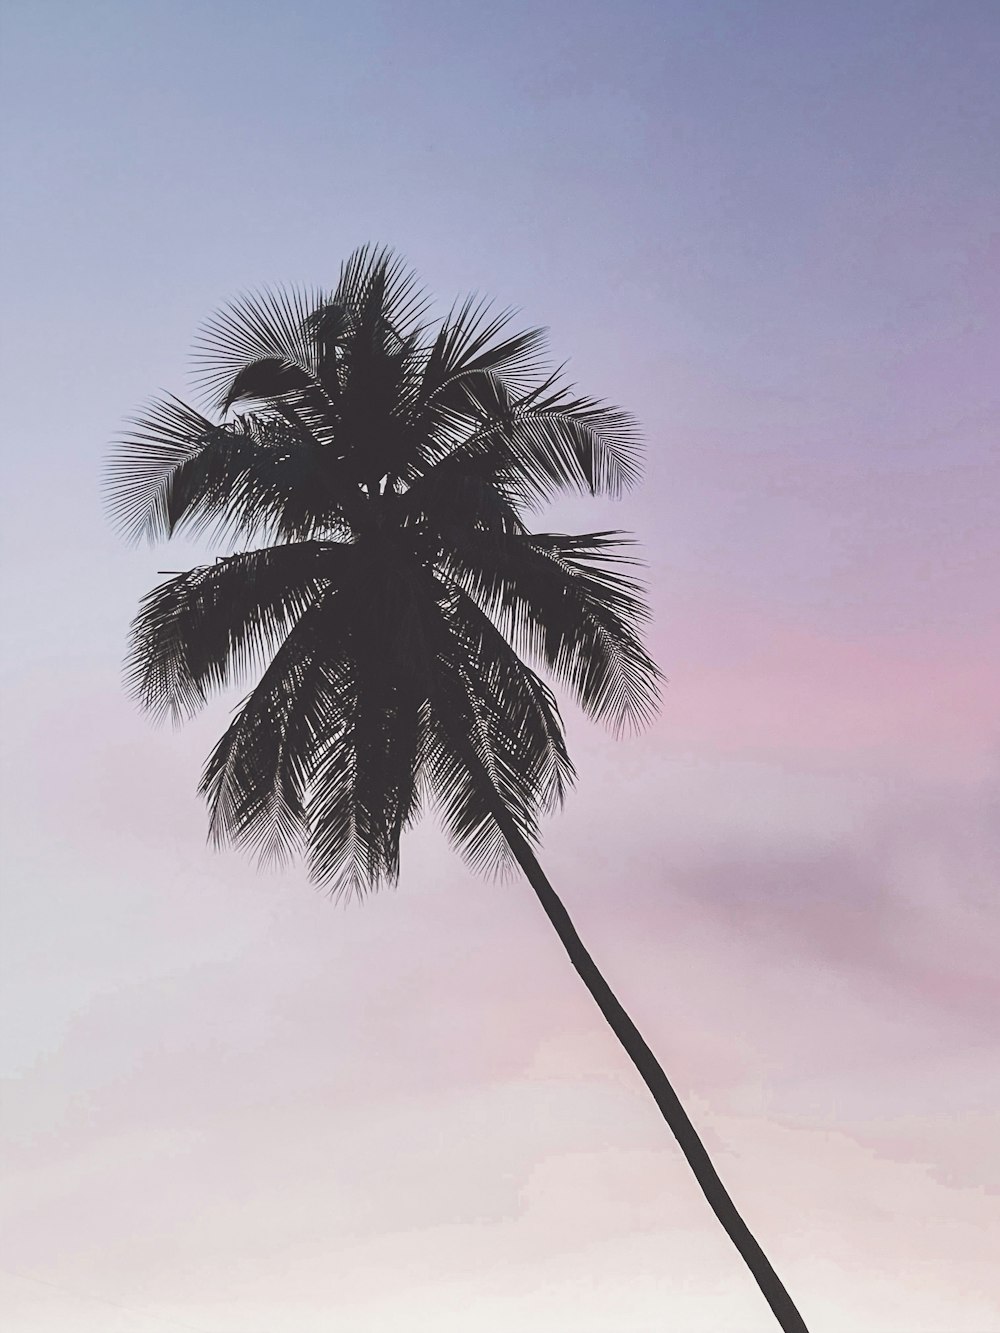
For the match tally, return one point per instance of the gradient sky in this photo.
(770, 229)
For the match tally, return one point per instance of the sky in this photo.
(770, 230)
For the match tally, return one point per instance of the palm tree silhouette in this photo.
(386, 468)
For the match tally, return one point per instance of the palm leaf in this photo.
(267, 325)
(136, 478)
(365, 787)
(257, 778)
(565, 602)
(203, 629)
(488, 705)
(376, 287)
(259, 472)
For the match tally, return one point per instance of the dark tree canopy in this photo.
(392, 603)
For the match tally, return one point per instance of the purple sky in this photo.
(769, 229)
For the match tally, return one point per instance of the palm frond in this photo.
(269, 377)
(203, 629)
(466, 804)
(582, 444)
(466, 345)
(537, 444)
(466, 376)
(520, 711)
(564, 600)
(486, 705)
(257, 778)
(377, 288)
(138, 471)
(267, 325)
(365, 788)
(258, 472)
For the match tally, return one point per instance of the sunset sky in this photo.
(770, 229)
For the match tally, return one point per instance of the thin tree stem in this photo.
(656, 1081)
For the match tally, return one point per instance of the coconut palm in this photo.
(377, 472)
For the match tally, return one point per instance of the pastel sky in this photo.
(770, 229)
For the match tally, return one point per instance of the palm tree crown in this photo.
(382, 469)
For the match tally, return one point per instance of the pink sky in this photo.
(234, 1106)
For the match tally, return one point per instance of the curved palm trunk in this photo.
(656, 1081)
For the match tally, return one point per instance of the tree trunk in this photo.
(657, 1083)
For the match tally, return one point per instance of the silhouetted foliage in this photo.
(388, 467)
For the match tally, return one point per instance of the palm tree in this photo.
(385, 468)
